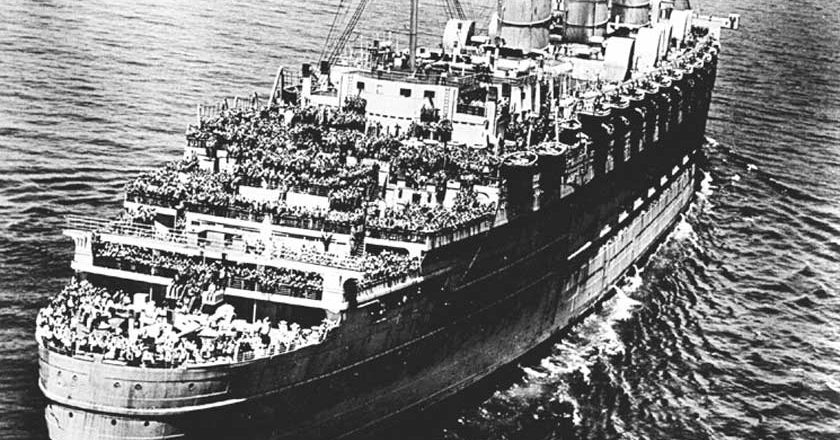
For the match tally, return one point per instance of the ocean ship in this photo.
(384, 229)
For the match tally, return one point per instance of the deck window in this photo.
(405, 92)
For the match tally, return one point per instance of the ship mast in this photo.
(412, 37)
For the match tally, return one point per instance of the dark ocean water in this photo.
(730, 332)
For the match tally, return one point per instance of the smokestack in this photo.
(585, 19)
(632, 12)
(682, 5)
(525, 23)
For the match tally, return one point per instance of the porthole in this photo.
(75, 378)
(116, 384)
(113, 422)
(191, 386)
(70, 414)
(138, 387)
(146, 423)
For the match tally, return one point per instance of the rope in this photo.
(332, 29)
(342, 39)
(447, 8)
(459, 9)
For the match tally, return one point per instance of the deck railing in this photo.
(285, 289)
(152, 200)
(431, 78)
(210, 111)
(313, 223)
(227, 212)
(469, 227)
(397, 234)
(193, 242)
(128, 266)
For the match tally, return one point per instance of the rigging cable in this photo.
(447, 8)
(456, 5)
(332, 29)
(348, 30)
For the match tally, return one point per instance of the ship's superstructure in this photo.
(383, 229)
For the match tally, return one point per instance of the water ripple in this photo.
(729, 332)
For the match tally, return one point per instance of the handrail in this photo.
(425, 78)
(417, 236)
(195, 243)
(397, 234)
(192, 242)
(283, 289)
(198, 244)
(234, 103)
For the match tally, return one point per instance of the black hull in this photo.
(484, 301)
(494, 318)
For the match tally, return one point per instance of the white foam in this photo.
(623, 305)
(633, 280)
(684, 231)
(534, 374)
(568, 358)
(711, 142)
(590, 340)
(706, 187)
(831, 382)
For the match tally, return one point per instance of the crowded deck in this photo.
(333, 190)
(89, 322)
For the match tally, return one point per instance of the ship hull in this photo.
(519, 306)
(483, 302)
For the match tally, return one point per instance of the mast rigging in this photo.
(348, 31)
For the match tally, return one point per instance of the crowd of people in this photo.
(387, 267)
(376, 268)
(430, 219)
(182, 182)
(141, 215)
(116, 256)
(217, 193)
(308, 149)
(202, 192)
(317, 151)
(302, 170)
(193, 275)
(523, 132)
(421, 164)
(314, 144)
(275, 280)
(87, 320)
(312, 254)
